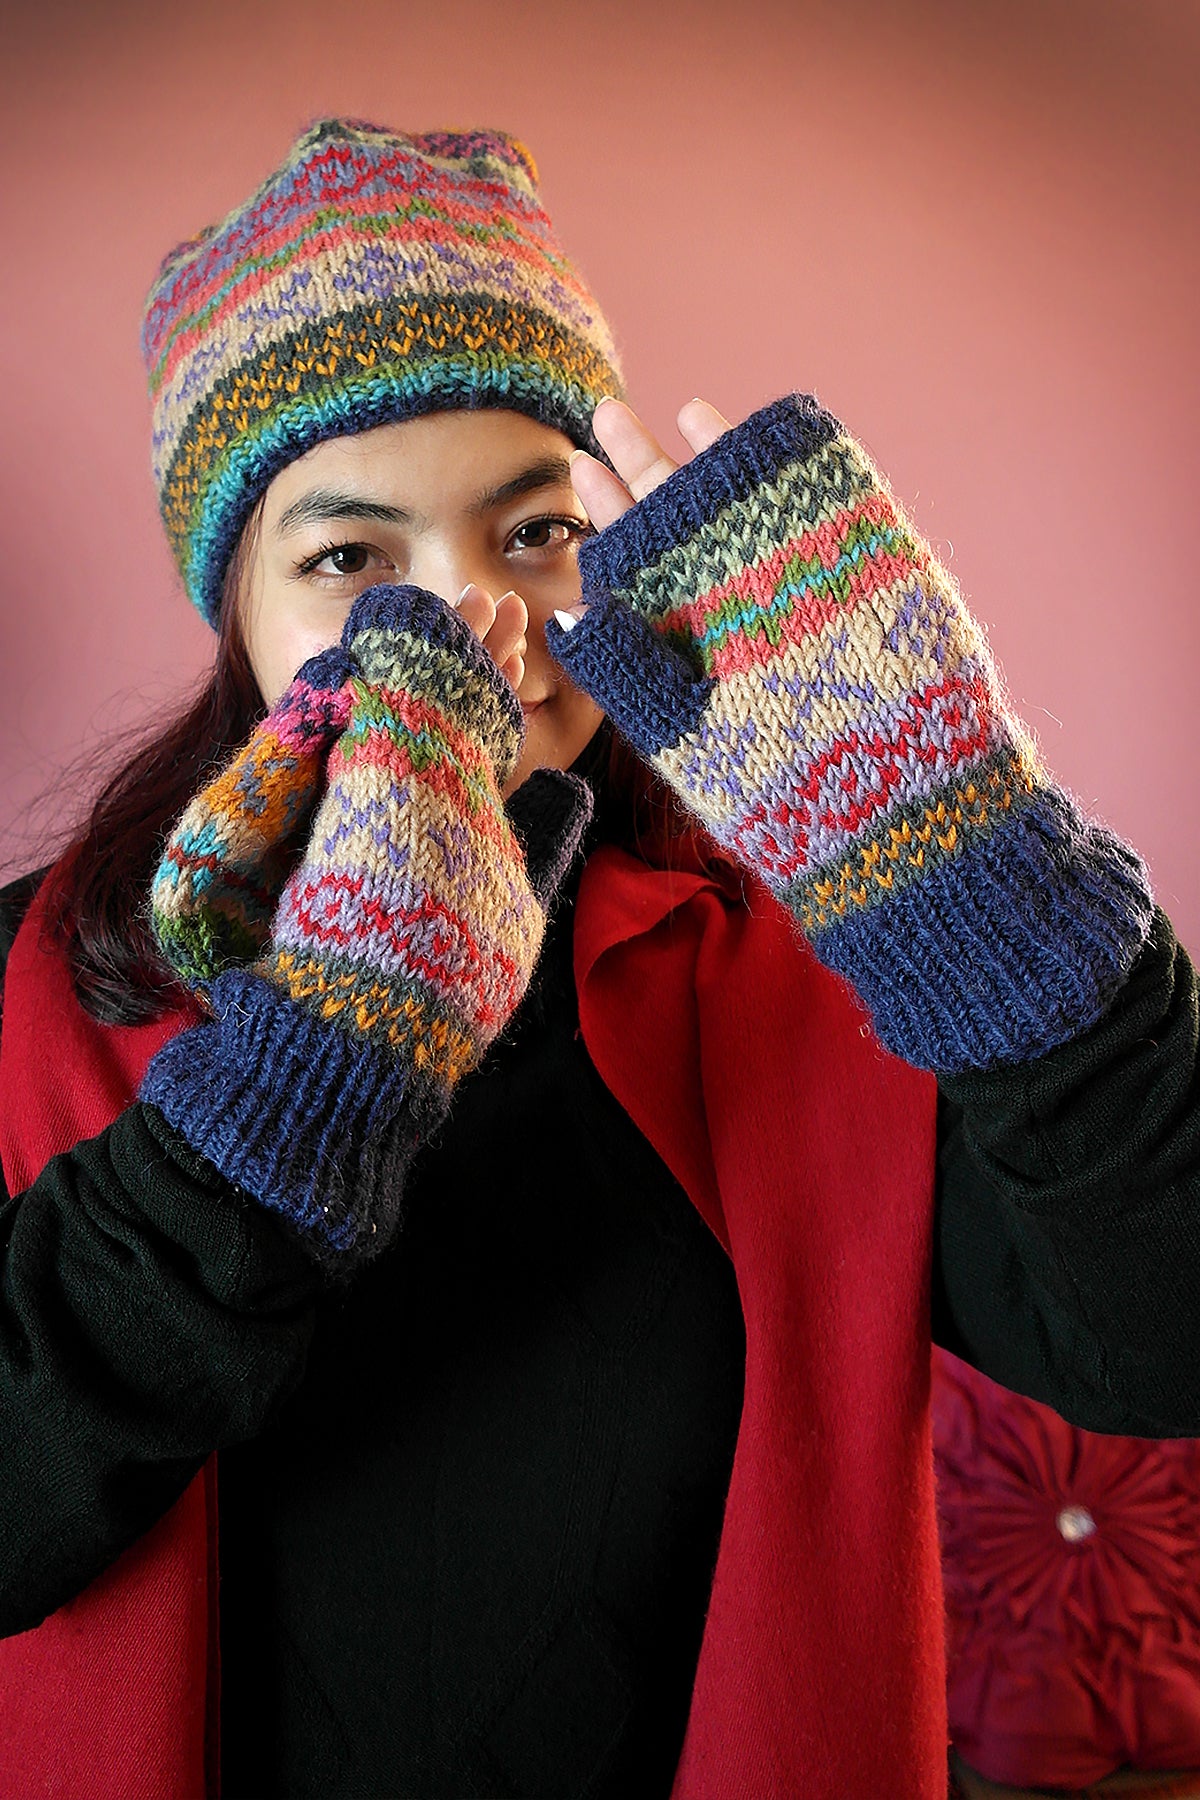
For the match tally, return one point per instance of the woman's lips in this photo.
(531, 706)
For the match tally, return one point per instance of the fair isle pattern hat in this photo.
(374, 277)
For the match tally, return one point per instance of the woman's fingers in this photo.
(601, 495)
(500, 625)
(636, 453)
(637, 456)
(700, 424)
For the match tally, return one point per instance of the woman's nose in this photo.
(447, 574)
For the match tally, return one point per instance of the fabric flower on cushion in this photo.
(1071, 1563)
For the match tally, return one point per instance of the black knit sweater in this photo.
(470, 1506)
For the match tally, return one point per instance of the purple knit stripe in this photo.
(910, 839)
(384, 821)
(824, 779)
(295, 202)
(212, 309)
(379, 273)
(378, 819)
(367, 901)
(204, 301)
(473, 880)
(776, 833)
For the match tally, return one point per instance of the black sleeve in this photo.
(149, 1314)
(1067, 1260)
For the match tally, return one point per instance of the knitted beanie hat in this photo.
(374, 277)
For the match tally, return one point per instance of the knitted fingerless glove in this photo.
(226, 861)
(402, 942)
(772, 635)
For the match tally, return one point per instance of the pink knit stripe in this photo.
(276, 212)
(418, 714)
(742, 651)
(759, 582)
(761, 578)
(530, 257)
(427, 939)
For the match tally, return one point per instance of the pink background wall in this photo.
(969, 227)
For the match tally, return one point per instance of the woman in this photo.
(552, 1276)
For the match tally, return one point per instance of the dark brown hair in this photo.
(98, 906)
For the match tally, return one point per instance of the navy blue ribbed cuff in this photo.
(1004, 952)
(313, 1123)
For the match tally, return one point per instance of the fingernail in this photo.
(470, 585)
(569, 620)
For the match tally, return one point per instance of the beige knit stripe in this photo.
(477, 882)
(365, 220)
(832, 718)
(243, 848)
(266, 319)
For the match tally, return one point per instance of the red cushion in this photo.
(1072, 1572)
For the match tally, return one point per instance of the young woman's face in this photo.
(438, 501)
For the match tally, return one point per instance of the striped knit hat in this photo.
(372, 278)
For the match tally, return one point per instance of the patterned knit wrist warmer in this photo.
(218, 884)
(403, 938)
(771, 634)
(315, 1126)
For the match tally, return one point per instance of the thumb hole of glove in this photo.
(651, 692)
(549, 814)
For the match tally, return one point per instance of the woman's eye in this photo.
(348, 559)
(335, 560)
(540, 534)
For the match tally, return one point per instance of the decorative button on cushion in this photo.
(1072, 1574)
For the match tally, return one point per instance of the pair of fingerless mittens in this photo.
(361, 913)
(774, 638)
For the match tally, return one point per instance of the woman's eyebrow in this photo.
(322, 504)
(550, 471)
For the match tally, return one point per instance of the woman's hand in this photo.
(638, 457)
(404, 937)
(501, 624)
(770, 634)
